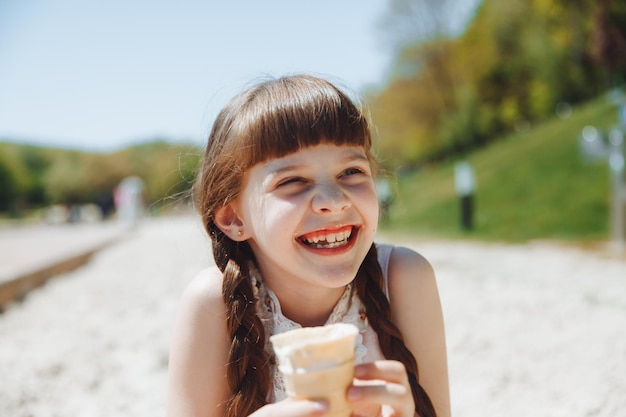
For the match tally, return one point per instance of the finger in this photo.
(293, 408)
(387, 370)
(398, 396)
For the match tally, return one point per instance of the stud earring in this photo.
(239, 232)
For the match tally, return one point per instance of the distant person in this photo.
(287, 195)
(128, 199)
(106, 204)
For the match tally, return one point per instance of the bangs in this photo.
(283, 116)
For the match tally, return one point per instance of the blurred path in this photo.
(532, 329)
(94, 341)
(30, 255)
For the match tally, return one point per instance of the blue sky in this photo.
(100, 75)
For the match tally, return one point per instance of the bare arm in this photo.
(199, 351)
(416, 310)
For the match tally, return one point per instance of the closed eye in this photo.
(352, 171)
(292, 180)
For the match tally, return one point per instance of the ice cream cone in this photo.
(318, 363)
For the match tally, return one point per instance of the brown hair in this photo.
(270, 120)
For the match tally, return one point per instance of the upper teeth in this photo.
(329, 238)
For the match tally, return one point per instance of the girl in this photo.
(286, 193)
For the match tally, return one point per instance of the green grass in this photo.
(530, 185)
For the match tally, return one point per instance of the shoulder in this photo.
(199, 349)
(202, 298)
(200, 320)
(204, 291)
(413, 292)
(201, 307)
(412, 285)
(408, 271)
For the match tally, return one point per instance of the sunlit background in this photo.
(99, 76)
(499, 125)
(94, 93)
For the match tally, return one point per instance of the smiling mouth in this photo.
(328, 239)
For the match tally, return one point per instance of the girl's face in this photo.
(310, 217)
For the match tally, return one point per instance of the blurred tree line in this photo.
(516, 63)
(33, 177)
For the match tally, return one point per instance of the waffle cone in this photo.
(318, 363)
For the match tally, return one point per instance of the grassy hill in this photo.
(531, 185)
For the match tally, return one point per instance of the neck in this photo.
(310, 308)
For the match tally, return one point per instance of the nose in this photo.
(330, 198)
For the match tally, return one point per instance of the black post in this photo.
(465, 185)
(467, 212)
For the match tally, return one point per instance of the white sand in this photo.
(533, 330)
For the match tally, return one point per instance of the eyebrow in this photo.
(352, 157)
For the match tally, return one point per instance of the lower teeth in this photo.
(328, 245)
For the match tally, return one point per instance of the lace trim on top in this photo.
(349, 309)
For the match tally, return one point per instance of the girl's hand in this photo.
(383, 382)
(293, 408)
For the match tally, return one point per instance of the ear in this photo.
(229, 222)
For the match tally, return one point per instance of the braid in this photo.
(369, 284)
(248, 373)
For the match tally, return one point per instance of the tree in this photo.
(14, 180)
(608, 39)
(9, 184)
(423, 91)
(517, 60)
(65, 181)
(407, 22)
